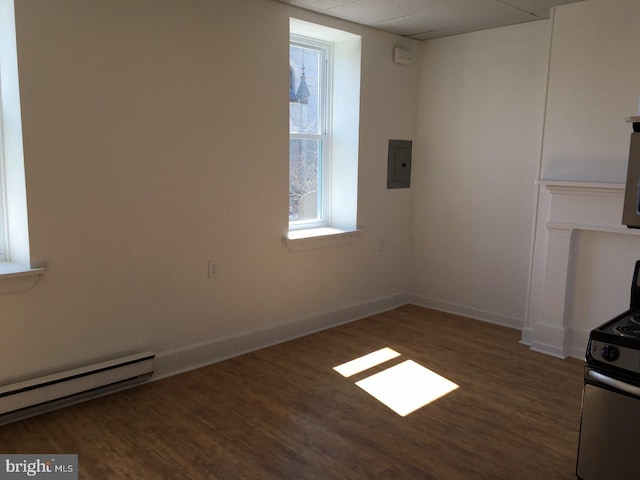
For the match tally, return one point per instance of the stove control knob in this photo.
(610, 353)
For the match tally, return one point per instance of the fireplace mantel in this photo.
(564, 207)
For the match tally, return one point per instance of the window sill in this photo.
(315, 238)
(17, 278)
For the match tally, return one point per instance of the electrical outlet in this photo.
(213, 269)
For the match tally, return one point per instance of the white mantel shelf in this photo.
(560, 187)
(592, 228)
(595, 186)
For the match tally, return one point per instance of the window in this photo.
(324, 108)
(309, 151)
(16, 273)
(3, 200)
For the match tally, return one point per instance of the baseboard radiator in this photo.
(32, 397)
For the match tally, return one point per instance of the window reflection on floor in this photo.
(404, 388)
(365, 362)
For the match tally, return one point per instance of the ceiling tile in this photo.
(318, 5)
(369, 12)
(471, 12)
(521, 17)
(423, 19)
(531, 5)
(544, 13)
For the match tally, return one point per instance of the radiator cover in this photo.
(37, 395)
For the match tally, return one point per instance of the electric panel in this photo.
(399, 164)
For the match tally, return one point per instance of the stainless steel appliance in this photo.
(631, 209)
(609, 444)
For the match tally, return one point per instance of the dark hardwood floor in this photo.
(284, 413)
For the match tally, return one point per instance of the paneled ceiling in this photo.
(426, 19)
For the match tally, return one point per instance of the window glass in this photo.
(308, 152)
(304, 181)
(3, 239)
(305, 111)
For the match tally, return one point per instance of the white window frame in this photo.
(4, 240)
(323, 217)
(340, 205)
(16, 271)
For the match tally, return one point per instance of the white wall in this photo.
(594, 85)
(155, 140)
(481, 109)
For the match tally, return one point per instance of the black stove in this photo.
(626, 326)
(610, 421)
(616, 343)
(622, 330)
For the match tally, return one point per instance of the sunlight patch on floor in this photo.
(365, 362)
(406, 387)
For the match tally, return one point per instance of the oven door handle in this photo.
(612, 382)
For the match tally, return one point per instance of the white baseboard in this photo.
(578, 339)
(465, 311)
(550, 339)
(528, 336)
(547, 349)
(210, 351)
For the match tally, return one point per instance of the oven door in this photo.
(609, 429)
